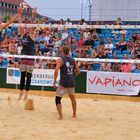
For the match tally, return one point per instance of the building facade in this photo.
(109, 10)
(8, 8)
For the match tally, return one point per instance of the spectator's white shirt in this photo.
(68, 23)
(64, 35)
(86, 34)
(47, 38)
(19, 50)
(124, 32)
(109, 46)
(51, 54)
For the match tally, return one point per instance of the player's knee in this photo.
(58, 100)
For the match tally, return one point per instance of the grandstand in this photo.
(103, 43)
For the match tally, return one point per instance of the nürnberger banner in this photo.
(113, 83)
(40, 77)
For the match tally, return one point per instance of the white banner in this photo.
(40, 77)
(113, 83)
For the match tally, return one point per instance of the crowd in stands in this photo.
(84, 43)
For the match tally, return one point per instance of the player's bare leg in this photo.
(20, 95)
(74, 105)
(59, 109)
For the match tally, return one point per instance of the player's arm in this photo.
(77, 68)
(59, 63)
(20, 11)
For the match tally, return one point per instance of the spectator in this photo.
(45, 49)
(102, 41)
(123, 32)
(89, 43)
(114, 55)
(37, 64)
(81, 42)
(95, 35)
(116, 67)
(134, 36)
(73, 46)
(130, 45)
(122, 45)
(47, 36)
(64, 35)
(68, 22)
(105, 67)
(109, 47)
(82, 22)
(118, 21)
(61, 22)
(127, 67)
(57, 43)
(51, 53)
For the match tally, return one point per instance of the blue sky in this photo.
(58, 9)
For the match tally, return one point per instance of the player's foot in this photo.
(25, 97)
(20, 96)
(74, 116)
(60, 118)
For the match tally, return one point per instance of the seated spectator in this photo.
(138, 41)
(38, 64)
(47, 36)
(64, 35)
(57, 43)
(116, 67)
(109, 47)
(122, 45)
(137, 66)
(115, 55)
(45, 49)
(89, 43)
(84, 54)
(81, 42)
(68, 22)
(136, 51)
(83, 65)
(51, 53)
(53, 64)
(118, 21)
(95, 35)
(61, 22)
(12, 63)
(73, 46)
(71, 37)
(102, 41)
(44, 64)
(123, 32)
(51, 42)
(105, 67)
(86, 34)
(93, 54)
(37, 49)
(82, 22)
(130, 45)
(134, 36)
(101, 52)
(4, 41)
(125, 56)
(89, 66)
(127, 67)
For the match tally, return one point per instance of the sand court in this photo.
(98, 119)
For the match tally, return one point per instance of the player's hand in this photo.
(54, 85)
(20, 10)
